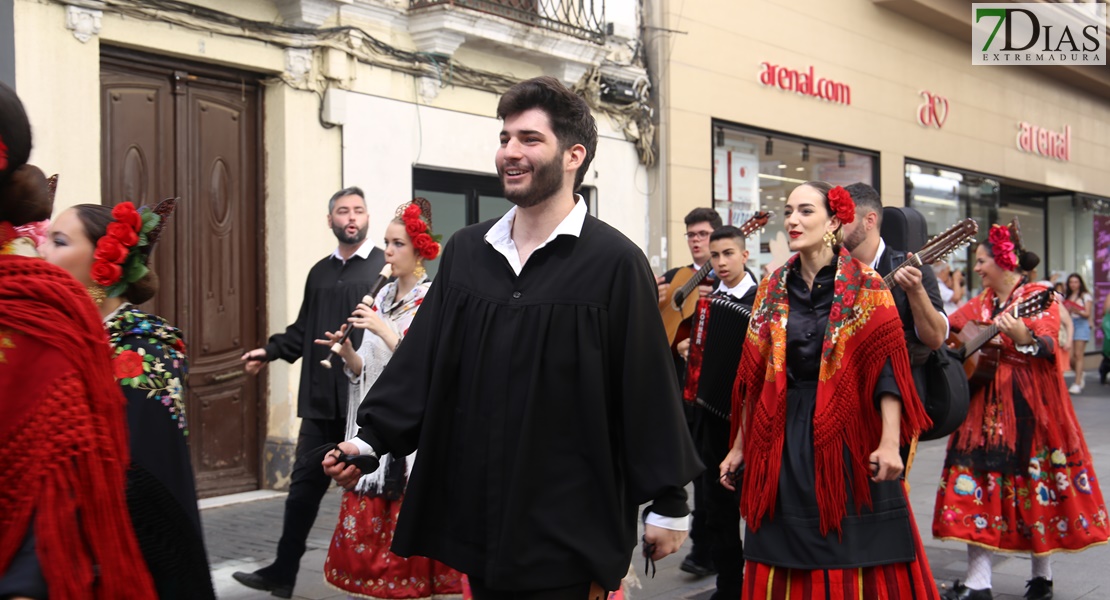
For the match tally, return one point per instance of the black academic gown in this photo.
(332, 291)
(546, 411)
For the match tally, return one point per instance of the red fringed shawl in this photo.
(864, 330)
(63, 438)
(1040, 380)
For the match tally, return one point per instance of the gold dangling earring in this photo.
(98, 294)
(419, 270)
(830, 238)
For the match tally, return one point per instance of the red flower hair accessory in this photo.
(842, 205)
(418, 226)
(118, 259)
(1002, 247)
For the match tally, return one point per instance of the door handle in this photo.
(226, 376)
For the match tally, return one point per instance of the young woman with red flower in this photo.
(107, 250)
(1019, 461)
(359, 560)
(824, 397)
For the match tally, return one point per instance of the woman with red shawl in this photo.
(1018, 475)
(64, 526)
(824, 397)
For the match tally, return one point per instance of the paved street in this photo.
(243, 535)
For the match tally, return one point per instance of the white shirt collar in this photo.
(878, 253)
(500, 236)
(362, 252)
(741, 288)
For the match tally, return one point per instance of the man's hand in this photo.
(909, 278)
(683, 348)
(664, 288)
(704, 290)
(256, 359)
(665, 541)
(343, 474)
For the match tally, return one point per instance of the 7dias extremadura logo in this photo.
(1038, 34)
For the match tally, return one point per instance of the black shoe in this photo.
(697, 568)
(1038, 588)
(260, 582)
(960, 591)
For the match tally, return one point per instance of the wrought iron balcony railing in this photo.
(584, 19)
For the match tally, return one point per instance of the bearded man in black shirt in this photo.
(335, 286)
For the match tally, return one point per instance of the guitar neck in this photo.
(911, 262)
(694, 281)
(980, 340)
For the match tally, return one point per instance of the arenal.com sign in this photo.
(1038, 34)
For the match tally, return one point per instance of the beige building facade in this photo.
(255, 111)
(757, 97)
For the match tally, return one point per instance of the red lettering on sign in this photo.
(1044, 142)
(804, 83)
(934, 111)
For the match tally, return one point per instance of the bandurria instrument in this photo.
(715, 345)
(368, 299)
(937, 248)
(681, 301)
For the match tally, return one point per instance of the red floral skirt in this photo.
(1055, 505)
(359, 561)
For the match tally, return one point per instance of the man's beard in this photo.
(855, 239)
(340, 232)
(547, 178)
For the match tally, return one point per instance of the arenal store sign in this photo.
(1044, 142)
(805, 83)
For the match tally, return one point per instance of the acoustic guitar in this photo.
(682, 299)
(980, 353)
(937, 248)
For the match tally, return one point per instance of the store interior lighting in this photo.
(781, 178)
(937, 201)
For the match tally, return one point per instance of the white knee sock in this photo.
(978, 568)
(1042, 567)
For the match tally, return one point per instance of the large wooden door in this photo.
(191, 131)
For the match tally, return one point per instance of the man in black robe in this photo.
(334, 288)
(537, 380)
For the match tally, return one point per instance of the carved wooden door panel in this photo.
(191, 131)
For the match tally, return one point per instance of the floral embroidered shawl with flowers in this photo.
(863, 332)
(1002, 247)
(150, 357)
(118, 259)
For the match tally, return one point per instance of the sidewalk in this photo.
(243, 536)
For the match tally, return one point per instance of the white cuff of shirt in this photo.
(675, 523)
(363, 447)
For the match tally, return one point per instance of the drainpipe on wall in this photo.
(655, 43)
(7, 42)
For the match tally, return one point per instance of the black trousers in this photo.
(306, 488)
(578, 591)
(722, 507)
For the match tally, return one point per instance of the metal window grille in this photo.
(583, 19)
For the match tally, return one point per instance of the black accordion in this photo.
(716, 340)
